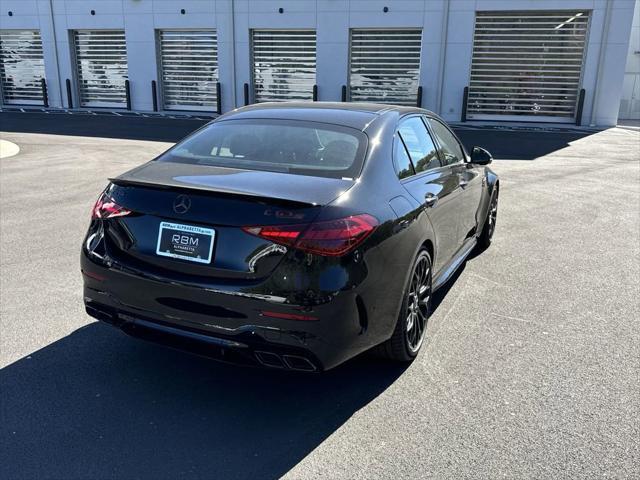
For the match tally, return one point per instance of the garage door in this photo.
(284, 64)
(189, 69)
(101, 62)
(21, 67)
(527, 66)
(385, 66)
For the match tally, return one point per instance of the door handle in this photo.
(430, 200)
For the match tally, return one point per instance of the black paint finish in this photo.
(331, 308)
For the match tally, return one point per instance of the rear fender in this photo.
(419, 234)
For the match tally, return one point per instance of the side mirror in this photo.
(480, 156)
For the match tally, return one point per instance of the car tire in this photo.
(409, 333)
(489, 227)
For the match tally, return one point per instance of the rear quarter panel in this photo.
(400, 235)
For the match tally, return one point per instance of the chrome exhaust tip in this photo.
(269, 359)
(295, 362)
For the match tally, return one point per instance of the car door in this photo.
(433, 185)
(470, 178)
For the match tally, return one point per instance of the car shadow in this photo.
(97, 404)
(440, 294)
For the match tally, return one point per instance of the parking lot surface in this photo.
(530, 368)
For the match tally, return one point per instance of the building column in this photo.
(332, 50)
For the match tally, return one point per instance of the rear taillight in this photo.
(331, 238)
(105, 207)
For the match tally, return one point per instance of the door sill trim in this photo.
(450, 268)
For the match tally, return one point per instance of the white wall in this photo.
(606, 55)
(630, 101)
(332, 20)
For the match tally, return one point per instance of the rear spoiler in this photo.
(180, 187)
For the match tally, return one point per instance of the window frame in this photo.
(398, 137)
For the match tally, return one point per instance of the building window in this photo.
(527, 65)
(21, 67)
(189, 69)
(101, 63)
(284, 64)
(384, 65)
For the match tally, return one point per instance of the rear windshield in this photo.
(304, 148)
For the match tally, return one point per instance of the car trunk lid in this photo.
(272, 186)
(216, 199)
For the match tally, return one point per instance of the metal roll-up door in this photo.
(101, 62)
(284, 64)
(384, 66)
(189, 69)
(21, 67)
(527, 65)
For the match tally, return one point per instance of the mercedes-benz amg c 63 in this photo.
(292, 236)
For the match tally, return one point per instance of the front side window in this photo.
(303, 148)
(450, 149)
(419, 144)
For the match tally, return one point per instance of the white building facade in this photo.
(502, 60)
(630, 101)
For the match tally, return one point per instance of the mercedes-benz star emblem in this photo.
(181, 204)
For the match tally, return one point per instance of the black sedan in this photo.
(292, 236)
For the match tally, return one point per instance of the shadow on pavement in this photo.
(160, 129)
(97, 404)
(518, 144)
(502, 143)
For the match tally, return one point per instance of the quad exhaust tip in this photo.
(269, 359)
(295, 362)
(291, 362)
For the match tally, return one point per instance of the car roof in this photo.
(354, 115)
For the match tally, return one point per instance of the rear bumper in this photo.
(227, 323)
(252, 353)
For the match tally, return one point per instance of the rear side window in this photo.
(450, 149)
(419, 144)
(304, 148)
(403, 162)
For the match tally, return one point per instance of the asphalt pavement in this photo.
(531, 366)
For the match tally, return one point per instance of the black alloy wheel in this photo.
(409, 333)
(418, 304)
(484, 240)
